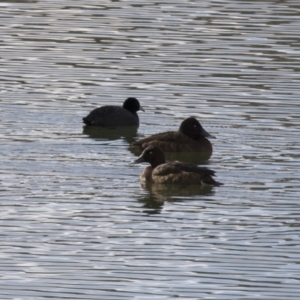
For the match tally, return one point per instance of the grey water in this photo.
(75, 223)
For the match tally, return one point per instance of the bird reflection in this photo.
(160, 193)
(152, 204)
(111, 133)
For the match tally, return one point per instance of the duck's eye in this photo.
(150, 152)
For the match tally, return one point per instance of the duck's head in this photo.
(152, 155)
(193, 129)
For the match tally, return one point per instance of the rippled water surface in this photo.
(75, 222)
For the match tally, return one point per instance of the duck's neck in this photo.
(158, 161)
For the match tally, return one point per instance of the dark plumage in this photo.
(174, 172)
(191, 137)
(114, 116)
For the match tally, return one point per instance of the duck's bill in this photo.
(206, 134)
(139, 160)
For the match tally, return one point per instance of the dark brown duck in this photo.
(174, 172)
(115, 116)
(191, 137)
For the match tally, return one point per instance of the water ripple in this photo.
(75, 221)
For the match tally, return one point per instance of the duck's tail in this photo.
(207, 179)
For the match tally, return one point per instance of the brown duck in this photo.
(191, 137)
(174, 172)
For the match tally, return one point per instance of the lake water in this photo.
(75, 222)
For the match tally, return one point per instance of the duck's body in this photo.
(174, 172)
(191, 137)
(115, 116)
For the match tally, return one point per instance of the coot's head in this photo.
(132, 104)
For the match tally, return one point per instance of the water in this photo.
(75, 222)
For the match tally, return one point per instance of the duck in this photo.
(115, 116)
(173, 172)
(191, 137)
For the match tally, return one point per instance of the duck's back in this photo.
(110, 116)
(182, 173)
